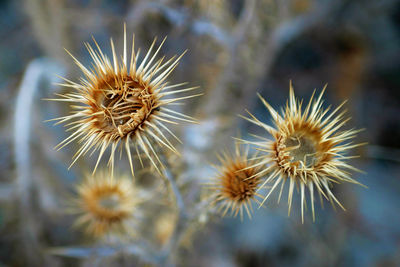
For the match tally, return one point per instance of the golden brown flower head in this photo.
(307, 148)
(236, 184)
(106, 205)
(123, 103)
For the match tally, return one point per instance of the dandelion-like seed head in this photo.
(106, 205)
(307, 148)
(236, 183)
(124, 103)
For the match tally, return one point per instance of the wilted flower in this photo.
(106, 205)
(307, 148)
(123, 103)
(236, 184)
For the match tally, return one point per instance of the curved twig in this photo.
(36, 71)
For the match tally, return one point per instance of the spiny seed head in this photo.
(307, 148)
(236, 183)
(123, 103)
(106, 205)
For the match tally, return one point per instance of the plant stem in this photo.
(168, 252)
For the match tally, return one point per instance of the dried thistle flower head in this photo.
(307, 148)
(106, 205)
(236, 184)
(123, 103)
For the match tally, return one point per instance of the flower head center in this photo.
(121, 106)
(239, 185)
(302, 150)
(110, 202)
(106, 204)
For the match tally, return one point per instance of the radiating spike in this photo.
(102, 150)
(154, 55)
(128, 151)
(311, 188)
(125, 56)
(140, 68)
(132, 66)
(271, 190)
(290, 194)
(115, 59)
(179, 91)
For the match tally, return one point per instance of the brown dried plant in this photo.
(307, 148)
(106, 205)
(236, 184)
(124, 104)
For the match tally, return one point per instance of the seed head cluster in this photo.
(125, 103)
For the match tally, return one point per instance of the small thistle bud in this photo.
(123, 104)
(236, 183)
(106, 205)
(307, 149)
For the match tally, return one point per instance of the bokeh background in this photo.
(236, 49)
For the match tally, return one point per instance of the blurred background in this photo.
(236, 49)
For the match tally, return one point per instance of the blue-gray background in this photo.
(236, 48)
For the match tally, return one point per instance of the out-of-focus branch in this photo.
(384, 153)
(140, 11)
(36, 71)
(169, 251)
(6, 191)
(214, 101)
(49, 25)
(177, 194)
(101, 252)
(268, 47)
(179, 18)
